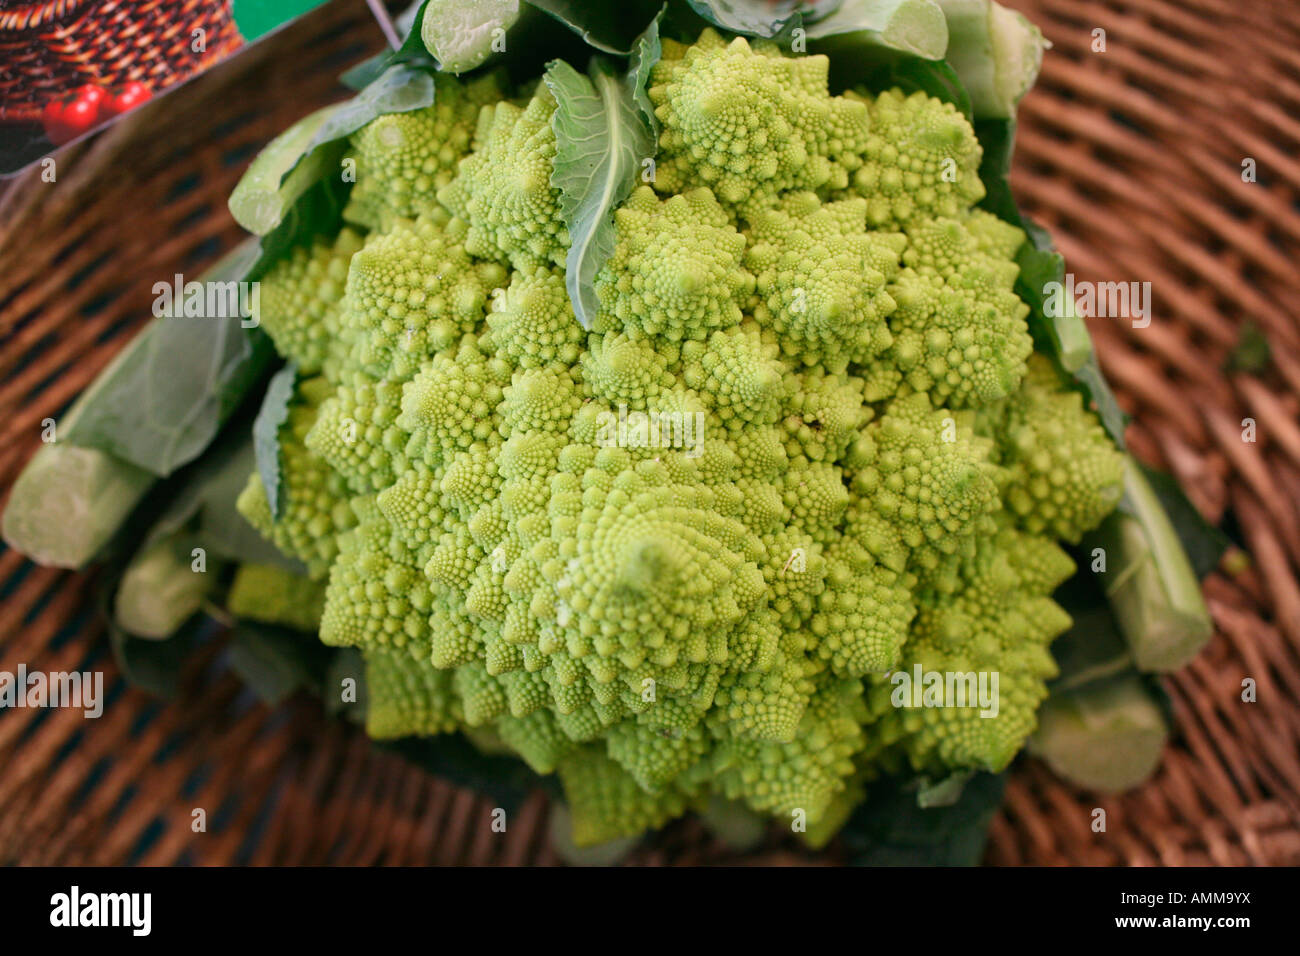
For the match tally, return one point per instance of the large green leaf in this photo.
(913, 27)
(604, 130)
(276, 661)
(266, 432)
(507, 780)
(755, 18)
(311, 149)
(222, 529)
(411, 51)
(450, 756)
(202, 502)
(605, 26)
(461, 36)
(882, 44)
(1093, 647)
(891, 829)
(880, 69)
(160, 403)
(347, 664)
(157, 667)
(847, 29)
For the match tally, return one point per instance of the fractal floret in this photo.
(805, 446)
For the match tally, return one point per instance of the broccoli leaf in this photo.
(161, 401)
(346, 664)
(915, 27)
(881, 44)
(412, 50)
(290, 168)
(399, 89)
(317, 212)
(943, 792)
(449, 756)
(507, 780)
(891, 829)
(1093, 647)
(157, 667)
(1103, 725)
(750, 17)
(266, 432)
(608, 27)
(882, 69)
(205, 503)
(276, 661)
(263, 194)
(461, 36)
(221, 528)
(604, 130)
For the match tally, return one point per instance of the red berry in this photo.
(90, 93)
(128, 97)
(53, 112)
(56, 130)
(80, 115)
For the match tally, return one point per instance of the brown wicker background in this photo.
(1132, 156)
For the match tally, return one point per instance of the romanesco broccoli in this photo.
(804, 448)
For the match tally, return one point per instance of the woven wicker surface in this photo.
(1132, 156)
(48, 49)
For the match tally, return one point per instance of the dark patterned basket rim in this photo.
(45, 13)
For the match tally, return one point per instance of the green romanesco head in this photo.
(299, 301)
(805, 447)
(313, 501)
(921, 160)
(1065, 475)
(676, 271)
(401, 160)
(502, 190)
(994, 623)
(751, 124)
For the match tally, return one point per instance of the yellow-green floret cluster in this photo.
(805, 447)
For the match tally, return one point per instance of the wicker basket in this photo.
(50, 47)
(1132, 156)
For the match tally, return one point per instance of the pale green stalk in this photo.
(1105, 735)
(160, 589)
(997, 53)
(1149, 581)
(69, 501)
